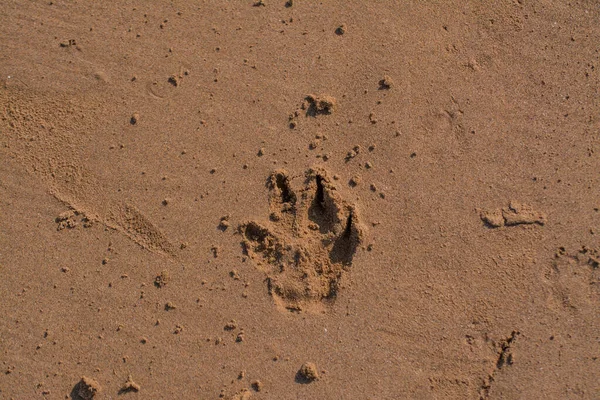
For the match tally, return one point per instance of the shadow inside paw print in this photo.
(308, 243)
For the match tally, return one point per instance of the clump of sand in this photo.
(308, 372)
(88, 388)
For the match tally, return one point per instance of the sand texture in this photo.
(299, 200)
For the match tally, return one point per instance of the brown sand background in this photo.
(492, 105)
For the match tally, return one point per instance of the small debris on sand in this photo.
(493, 219)
(130, 386)
(224, 223)
(354, 181)
(66, 220)
(340, 30)
(243, 394)
(320, 105)
(308, 372)
(515, 214)
(231, 325)
(88, 388)
(352, 153)
(240, 337)
(518, 213)
(174, 80)
(257, 385)
(162, 279)
(68, 43)
(386, 83)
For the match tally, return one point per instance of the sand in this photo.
(299, 200)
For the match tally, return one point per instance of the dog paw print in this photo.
(573, 280)
(307, 244)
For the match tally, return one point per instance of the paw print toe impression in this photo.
(308, 243)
